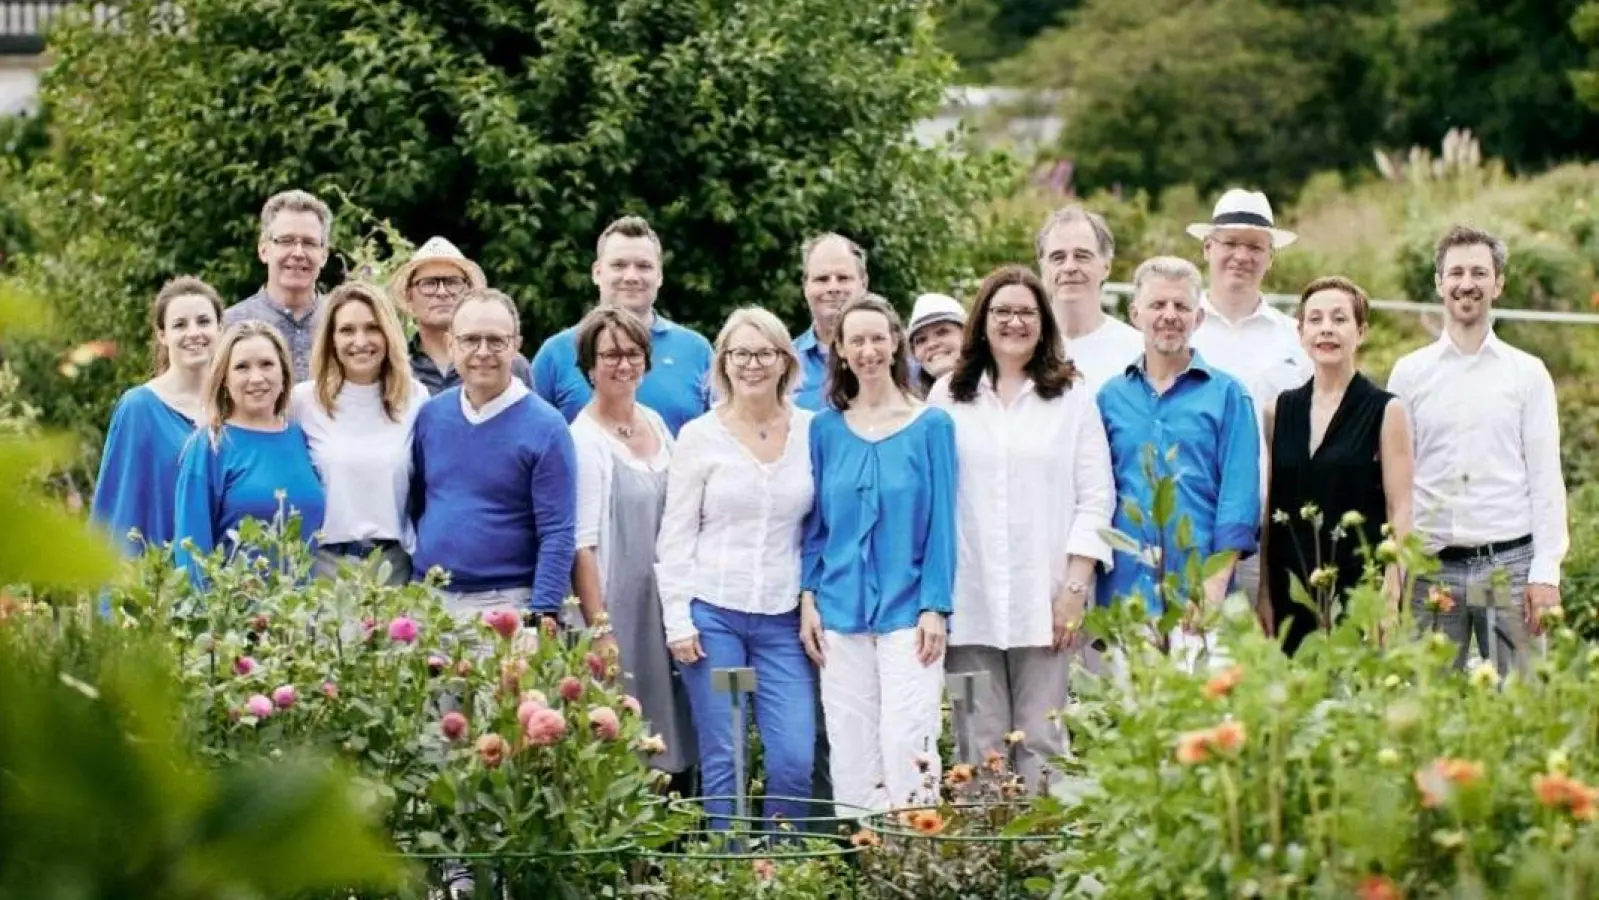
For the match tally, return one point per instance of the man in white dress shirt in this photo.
(1075, 249)
(1489, 496)
(1241, 334)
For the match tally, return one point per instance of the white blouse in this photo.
(598, 453)
(1034, 486)
(732, 529)
(363, 459)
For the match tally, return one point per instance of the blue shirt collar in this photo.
(1196, 366)
(807, 342)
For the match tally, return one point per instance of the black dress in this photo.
(1344, 474)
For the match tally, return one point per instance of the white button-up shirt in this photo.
(1035, 485)
(1487, 436)
(1261, 349)
(732, 527)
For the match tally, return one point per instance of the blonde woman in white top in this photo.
(1035, 489)
(357, 412)
(623, 450)
(728, 558)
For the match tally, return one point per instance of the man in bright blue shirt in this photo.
(1200, 424)
(627, 271)
(835, 273)
(494, 476)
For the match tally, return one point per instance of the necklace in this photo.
(763, 430)
(626, 431)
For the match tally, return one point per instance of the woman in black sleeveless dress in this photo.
(1340, 444)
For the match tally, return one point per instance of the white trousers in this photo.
(883, 711)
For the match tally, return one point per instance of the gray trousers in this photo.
(328, 562)
(1025, 686)
(1470, 587)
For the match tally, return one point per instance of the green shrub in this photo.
(1579, 580)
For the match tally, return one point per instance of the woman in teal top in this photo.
(250, 461)
(879, 565)
(133, 496)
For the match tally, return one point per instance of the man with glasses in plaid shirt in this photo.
(295, 229)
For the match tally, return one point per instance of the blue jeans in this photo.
(785, 704)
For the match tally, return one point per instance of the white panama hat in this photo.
(436, 249)
(1239, 208)
(930, 309)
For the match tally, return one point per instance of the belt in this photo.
(1483, 551)
(360, 548)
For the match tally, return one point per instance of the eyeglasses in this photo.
(442, 284)
(615, 358)
(289, 242)
(497, 343)
(742, 357)
(1004, 314)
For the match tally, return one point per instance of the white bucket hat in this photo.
(436, 249)
(1239, 208)
(931, 309)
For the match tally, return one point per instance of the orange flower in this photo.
(1378, 887)
(765, 869)
(1192, 747)
(1434, 782)
(1561, 792)
(927, 821)
(1222, 683)
(865, 838)
(1439, 599)
(1461, 772)
(994, 761)
(959, 774)
(1228, 736)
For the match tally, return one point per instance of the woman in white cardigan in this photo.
(623, 451)
(1034, 492)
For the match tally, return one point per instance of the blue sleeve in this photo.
(937, 587)
(119, 499)
(554, 487)
(544, 374)
(1238, 499)
(199, 501)
(815, 537)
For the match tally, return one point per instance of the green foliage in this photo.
(1166, 92)
(1579, 580)
(982, 32)
(516, 130)
(102, 799)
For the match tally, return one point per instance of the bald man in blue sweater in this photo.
(494, 478)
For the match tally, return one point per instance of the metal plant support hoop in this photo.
(975, 831)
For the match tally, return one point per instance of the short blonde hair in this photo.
(769, 327)
(218, 403)
(328, 373)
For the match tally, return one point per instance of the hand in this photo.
(1216, 588)
(687, 651)
(1541, 598)
(930, 638)
(811, 631)
(1067, 618)
(605, 646)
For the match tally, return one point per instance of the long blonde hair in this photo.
(328, 373)
(218, 403)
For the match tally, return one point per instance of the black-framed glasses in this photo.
(1012, 314)
(496, 343)
(615, 358)
(291, 241)
(440, 284)
(742, 357)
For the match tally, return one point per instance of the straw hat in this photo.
(1239, 208)
(436, 249)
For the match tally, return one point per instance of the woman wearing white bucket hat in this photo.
(937, 324)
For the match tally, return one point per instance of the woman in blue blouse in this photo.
(879, 565)
(248, 461)
(139, 468)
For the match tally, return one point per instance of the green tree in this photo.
(1585, 25)
(983, 32)
(1166, 92)
(517, 130)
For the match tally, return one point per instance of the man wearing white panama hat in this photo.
(429, 286)
(1242, 334)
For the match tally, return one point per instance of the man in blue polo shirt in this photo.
(627, 271)
(1201, 425)
(835, 273)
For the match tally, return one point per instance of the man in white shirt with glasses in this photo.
(1490, 499)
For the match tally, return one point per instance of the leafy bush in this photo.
(518, 131)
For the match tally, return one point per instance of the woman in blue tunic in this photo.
(248, 461)
(133, 497)
(879, 565)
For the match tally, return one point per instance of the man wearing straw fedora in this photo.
(1241, 333)
(429, 286)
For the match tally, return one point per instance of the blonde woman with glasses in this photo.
(357, 412)
(728, 559)
(248, 461)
